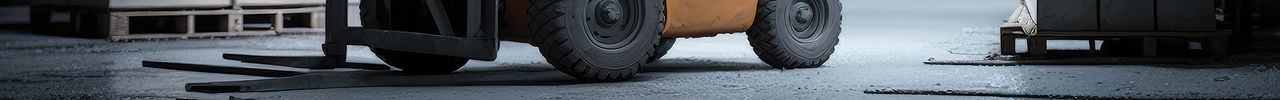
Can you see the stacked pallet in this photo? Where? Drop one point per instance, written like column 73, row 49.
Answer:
column 1042, row 20
column 125, row 20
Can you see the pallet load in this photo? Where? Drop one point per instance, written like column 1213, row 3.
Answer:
column 125, row 20
column 1144, row 21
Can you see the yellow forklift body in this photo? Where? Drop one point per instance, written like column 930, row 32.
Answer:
column 701, row 18
column 685, row 18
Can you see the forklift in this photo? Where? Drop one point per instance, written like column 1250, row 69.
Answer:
column 592, row 40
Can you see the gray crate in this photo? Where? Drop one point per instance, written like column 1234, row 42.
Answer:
column 1127, row 15
column 1065, row 15
column 1185, row 15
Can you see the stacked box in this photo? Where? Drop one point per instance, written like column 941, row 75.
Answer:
column 1127, row 15
column 1185, row 15
column 1123, row 15
column 1065, row 15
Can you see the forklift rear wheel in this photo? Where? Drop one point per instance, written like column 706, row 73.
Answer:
column 597, row 40
column 373, row 15
column 795, row 33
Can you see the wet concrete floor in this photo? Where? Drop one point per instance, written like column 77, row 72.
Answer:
column 882, row 46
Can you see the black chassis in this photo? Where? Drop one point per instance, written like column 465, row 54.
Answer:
column 480, row 41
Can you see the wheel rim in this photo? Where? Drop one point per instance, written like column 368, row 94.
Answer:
column 610, row 24
column 806, row 19
column 803, row 15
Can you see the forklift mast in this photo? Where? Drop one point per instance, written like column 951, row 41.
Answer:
column 480, row 41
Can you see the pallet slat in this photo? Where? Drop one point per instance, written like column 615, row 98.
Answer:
column 1073, row 61
column 233, row 23
column 186, row 36
column 1136, row 34
column 219, row 12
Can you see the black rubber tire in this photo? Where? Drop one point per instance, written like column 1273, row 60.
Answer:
column 419, row 63
column 777, row 43
column 564, row 36
column 661, row 49
column 408, row 62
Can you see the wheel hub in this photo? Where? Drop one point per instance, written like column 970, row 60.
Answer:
column 609, row 13
column 611, row 18
column 803, row 19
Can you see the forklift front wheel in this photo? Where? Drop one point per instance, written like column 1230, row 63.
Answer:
column 597, row 40
column 661, row 49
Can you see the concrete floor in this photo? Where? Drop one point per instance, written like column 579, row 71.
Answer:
column 882, row 46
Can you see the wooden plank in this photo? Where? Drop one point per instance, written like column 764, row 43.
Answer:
column 317, row 20
column 235, row 4
column 1036, row 46
column 119, row 25
column 196, row 35
column 1149, row 46
column 234, row 25
column 1218, row 46
column 1015, row 21
column 1073, row 61
column 1008, row 44
column 191, row 24
column 1135, row 34
column 219, row 12
column 76, row 22
column 1018, row 33
column 277, row 22
column 1009, row 28
column 235, row 22
column 289, row 10
column 156, row 4
column 1077, row 38
column 973, row 62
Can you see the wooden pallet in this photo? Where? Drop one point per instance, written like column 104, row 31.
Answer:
column 1075, row 61
column 145, row 25
column 1020, row 25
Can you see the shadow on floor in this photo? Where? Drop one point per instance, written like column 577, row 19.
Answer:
column 519, row 74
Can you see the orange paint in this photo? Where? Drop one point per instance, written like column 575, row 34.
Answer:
column 685, row 18
column 702, row 18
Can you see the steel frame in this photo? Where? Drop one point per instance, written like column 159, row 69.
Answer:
column 480, row 41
